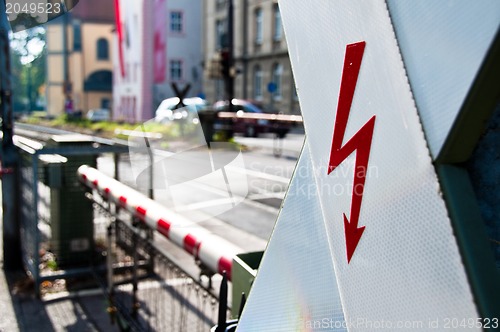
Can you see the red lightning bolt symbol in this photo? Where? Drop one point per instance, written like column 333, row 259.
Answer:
column 360, row 142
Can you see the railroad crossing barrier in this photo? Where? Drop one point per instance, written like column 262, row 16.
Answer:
column 214, row 252
column 221, row 121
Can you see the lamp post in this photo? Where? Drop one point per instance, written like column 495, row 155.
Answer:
column 229, row 71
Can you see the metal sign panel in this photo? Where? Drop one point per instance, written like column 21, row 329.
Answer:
column 296, row 288
column 443, row 44
column 389, row 236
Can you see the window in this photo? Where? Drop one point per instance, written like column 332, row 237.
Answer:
column 220, row 34
column 220, row 4
column 175, row 70
column 276, row 79
column 257, row 83
column 106, row 103
column 77, row 36
column 176, row 21
column 102, row 49
column 277, row 34
column 258, row 26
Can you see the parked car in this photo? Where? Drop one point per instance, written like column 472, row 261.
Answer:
column 99, row 114
column 250, row 120
column 168, row 109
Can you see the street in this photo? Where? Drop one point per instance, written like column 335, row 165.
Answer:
column 238, row 199
column 241, row 204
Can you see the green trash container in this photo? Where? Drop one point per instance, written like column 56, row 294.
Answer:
column 71, row 213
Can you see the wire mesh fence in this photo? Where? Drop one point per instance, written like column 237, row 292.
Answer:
column 28, row 180
column 168, row 299
column 150, row 292
column 153, row 293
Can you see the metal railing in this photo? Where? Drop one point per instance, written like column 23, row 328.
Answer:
column 151, row 292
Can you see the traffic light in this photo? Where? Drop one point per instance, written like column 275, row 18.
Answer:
column 221, row 66
column 225, row 62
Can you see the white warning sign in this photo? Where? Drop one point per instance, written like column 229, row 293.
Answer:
column 396, row 261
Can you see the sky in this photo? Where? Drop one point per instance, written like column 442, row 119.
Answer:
column 31, row 49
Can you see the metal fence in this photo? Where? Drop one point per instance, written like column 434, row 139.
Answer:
column 153, row 293
column 30, row 237
column 147, row 290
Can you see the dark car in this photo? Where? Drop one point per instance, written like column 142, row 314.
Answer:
column 247, row 119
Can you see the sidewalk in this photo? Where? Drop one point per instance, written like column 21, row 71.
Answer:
column 8, row 321
column 21, row 310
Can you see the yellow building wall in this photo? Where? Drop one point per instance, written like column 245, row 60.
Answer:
column 54, row 38
column 56, row 71
column 55, row 74
column 88, row 63
column 80, row 65
column 55, row 99
column 94, row 99
column 91, row 32
column 77, row 78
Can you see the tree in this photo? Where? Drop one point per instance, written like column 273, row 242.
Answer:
column 28, row 65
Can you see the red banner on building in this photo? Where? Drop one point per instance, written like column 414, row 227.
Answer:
column 119, row 32
column 160, row 41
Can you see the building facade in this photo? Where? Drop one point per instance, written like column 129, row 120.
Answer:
column 79, row 58
column 183, row 25
column 263, row 70
column 157, row 47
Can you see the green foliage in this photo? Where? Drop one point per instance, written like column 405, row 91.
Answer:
column 52, row 264
column 110, row 129
column 28, row 67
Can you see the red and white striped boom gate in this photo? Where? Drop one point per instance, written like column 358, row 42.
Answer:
column 213, row 251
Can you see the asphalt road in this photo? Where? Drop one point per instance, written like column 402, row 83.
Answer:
column 234, row 194
column 223, row 189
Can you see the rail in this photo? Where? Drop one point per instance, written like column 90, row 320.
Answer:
column 261, row 116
